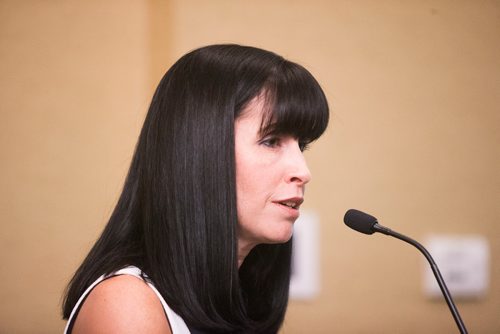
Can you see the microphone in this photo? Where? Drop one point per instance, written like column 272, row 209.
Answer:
column 367, row 224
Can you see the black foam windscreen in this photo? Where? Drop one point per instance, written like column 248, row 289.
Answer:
column 360, row 221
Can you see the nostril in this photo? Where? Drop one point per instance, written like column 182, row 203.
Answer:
column 301, row 179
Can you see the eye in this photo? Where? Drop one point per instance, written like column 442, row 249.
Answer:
column 270, row 141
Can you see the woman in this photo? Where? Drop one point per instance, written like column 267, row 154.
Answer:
column 207, row 210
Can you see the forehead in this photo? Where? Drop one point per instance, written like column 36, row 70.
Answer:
column 281, row 112
column 254, row 108
column 250, row 119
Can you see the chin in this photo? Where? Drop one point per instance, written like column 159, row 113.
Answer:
column 281, row 236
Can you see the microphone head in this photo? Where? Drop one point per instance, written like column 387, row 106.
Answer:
column 360, row 221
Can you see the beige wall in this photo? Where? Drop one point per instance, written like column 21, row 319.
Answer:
column 73, row 91
column 414, row 139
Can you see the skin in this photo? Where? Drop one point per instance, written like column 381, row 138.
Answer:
column 122, row 304
column 268, row 170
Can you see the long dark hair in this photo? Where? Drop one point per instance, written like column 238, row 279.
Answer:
column 176, row 218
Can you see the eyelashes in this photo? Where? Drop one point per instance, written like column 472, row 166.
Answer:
column 271, row 142
column 276, row 141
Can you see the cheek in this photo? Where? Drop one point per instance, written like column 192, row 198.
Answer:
column 247, row 170
column 246, row 182
column 254, row 179
column 250, row 190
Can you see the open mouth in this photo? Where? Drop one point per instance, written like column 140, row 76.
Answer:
column 293, row 204
column 289, row 204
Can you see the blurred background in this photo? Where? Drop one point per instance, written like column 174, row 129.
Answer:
column 414, row 89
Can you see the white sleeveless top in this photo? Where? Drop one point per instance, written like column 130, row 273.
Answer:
column 177, row 325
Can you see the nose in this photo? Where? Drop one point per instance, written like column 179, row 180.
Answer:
column 297, row 171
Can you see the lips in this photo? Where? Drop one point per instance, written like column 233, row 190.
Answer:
column 292, row 203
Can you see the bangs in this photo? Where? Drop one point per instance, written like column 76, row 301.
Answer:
column 294, row 105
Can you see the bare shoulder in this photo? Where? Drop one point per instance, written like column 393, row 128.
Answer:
column 122, row 304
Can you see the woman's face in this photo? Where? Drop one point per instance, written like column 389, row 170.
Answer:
column 271, row 174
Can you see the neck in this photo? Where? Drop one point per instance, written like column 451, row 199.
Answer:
column 244, row 248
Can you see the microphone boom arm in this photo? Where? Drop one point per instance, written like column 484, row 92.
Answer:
column 442, row 285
